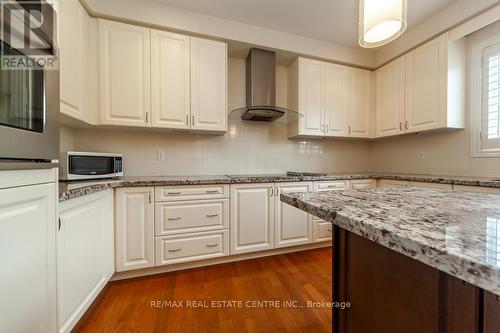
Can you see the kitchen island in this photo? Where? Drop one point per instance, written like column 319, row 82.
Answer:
column 412, row 259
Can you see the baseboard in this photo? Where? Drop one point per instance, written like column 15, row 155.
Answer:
column 215, row 261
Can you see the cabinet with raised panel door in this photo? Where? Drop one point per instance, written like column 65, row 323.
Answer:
column 422, row 90
column 152, row 78
column 322, row 230
column 334, row 100
column 134, row 228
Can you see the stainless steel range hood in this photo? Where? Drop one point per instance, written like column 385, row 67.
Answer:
column 261, row 90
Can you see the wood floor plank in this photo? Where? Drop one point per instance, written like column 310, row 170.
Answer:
column 126, row 306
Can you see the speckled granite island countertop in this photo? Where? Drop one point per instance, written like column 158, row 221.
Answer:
column 455, row 232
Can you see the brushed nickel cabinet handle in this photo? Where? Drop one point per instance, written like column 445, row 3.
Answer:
column 174, row 193
column 187, row 120
column 174, row 250
column 272, row 191
column 323, row 129
column 212, row 215
column 277, row 191
column 212, row 191
column 406, row 125
column 174, row 218
column 193, row 121
column 401, row 126
column 332, row 186
column 329, row 230
column 147, row 117
column 326, row 128
column 212, row 245
column 349, row 130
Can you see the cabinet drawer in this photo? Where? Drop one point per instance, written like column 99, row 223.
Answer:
column 195, row 192
column 191, row 247
column 363, row 184
column 392, row 183
column 330, row 186
column 191, row 216
column 322, row 231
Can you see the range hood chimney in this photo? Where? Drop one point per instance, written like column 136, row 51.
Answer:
column 261, row 90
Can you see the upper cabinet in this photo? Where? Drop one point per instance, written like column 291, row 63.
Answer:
column 208, row 85
column 153, row 78
column 423, row 90
column 125, row 74
column 334, row 100
column 77, row 62
column 170, row 82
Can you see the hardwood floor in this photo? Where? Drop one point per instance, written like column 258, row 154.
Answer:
column 126, row 306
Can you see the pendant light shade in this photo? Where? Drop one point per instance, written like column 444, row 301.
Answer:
column 381, row 21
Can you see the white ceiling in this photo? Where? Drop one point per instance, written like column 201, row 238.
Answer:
column 328, row 20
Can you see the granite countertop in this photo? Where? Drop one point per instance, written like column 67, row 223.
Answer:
column 74, row 189
column 453, row 231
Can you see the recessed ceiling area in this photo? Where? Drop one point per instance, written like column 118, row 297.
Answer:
column 327, row 20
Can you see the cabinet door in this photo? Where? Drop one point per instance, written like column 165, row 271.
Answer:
column 292, row 226
column 73, row 43
column 425, row 99
column 27, row 253
column 208, row 85
column 134, row 225
column 336, row 107
column 170, row 87
column 252, row 218
column 390, row 98
column 85, row 254
column 125, row 74
column 359, row 96
column 311, row 96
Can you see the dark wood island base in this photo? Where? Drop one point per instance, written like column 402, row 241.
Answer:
column 390, row 292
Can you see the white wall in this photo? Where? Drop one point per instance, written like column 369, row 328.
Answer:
column 246, row 148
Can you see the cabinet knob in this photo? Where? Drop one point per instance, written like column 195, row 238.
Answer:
column 212, row 245
column 174, row 250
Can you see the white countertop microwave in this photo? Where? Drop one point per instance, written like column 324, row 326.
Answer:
column 77, row 165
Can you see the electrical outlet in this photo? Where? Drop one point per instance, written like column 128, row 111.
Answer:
column 161, row 156
column 421, row 156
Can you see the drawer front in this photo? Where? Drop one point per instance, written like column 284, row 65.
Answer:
column 363, row 184
column 322, row 231
column 432, row 185
column 191, row 216
column 392, row 183
column 199, row 246
column 195, row 192
column 330, row 186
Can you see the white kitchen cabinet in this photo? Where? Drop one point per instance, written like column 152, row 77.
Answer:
column 85, row 254
column 252, row 217
column 337, row 115
column 390, row 98
column 73, row 45
column 134, row 228
column 28, row 252
column 434, row 89
column 208, row 85
column 322, row 231
column 392, row 183
column 334, row 100
column 292, row 226
column 125, row 72
column 359, row 96
column 432, row 185
column 170, row 80
column 476, row 189
column 361, row 184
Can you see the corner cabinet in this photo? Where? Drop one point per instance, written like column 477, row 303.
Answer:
column 423, row 90
column 85, row 254
column 334, row 100
column 152, row 78
column 134, row 228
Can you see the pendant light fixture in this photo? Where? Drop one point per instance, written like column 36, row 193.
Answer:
column 381, row 21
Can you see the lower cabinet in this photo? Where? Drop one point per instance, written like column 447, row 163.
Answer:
column 252, row 217
column 191, row 247
column 260, row 221
column 362, row 184
column 134, row 228
column 322, row 230
column 292, row 226
column 85, row 254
